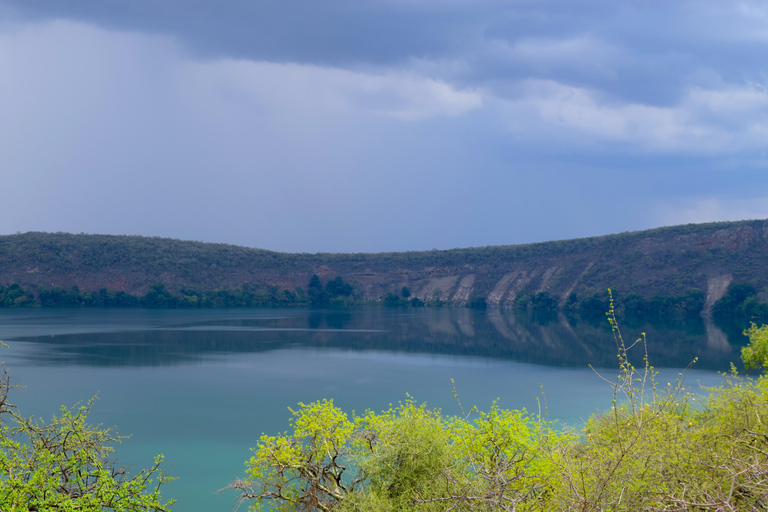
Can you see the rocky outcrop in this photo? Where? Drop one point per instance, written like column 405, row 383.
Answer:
column 716, row 287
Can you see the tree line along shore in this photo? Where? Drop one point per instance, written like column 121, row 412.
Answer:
column 668, row 275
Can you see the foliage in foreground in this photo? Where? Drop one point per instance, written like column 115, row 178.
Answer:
column 404, row 458
column 67, row 465
column 657, row 448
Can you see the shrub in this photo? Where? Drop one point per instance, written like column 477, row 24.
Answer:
column 406, row 458
column 67, row 465
column 755, row 355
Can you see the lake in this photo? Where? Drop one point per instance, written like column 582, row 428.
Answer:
column 200, row 386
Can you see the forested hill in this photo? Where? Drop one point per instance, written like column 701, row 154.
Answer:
column 665, row 262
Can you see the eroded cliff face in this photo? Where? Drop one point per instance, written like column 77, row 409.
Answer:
column 716, row 288
column 664, row 261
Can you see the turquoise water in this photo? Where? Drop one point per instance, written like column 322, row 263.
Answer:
column 201, row 386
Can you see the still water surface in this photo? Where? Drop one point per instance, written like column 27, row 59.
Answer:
column 201, row 386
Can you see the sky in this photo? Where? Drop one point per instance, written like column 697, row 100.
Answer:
column 369, row 126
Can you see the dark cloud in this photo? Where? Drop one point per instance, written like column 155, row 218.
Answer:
column 373, row 125
column 332, row 32
column 636, row 50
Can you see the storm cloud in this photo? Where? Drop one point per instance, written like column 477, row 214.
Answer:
column 377, row 126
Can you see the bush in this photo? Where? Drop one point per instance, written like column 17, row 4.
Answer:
column 67, row 465
column 406, row 458
column 755, row 355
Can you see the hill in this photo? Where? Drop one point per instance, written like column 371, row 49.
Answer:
column 695, row 260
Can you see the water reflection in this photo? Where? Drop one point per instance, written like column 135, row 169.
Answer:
column 152, row 338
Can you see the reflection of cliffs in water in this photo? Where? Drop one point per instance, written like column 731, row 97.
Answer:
column 492, row 333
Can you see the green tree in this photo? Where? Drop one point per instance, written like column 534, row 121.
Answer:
column 727, row 308
column 755, row 355
column 392, row 300
column 159, row 297
column 416, row 302
column 317, row 294
column 338, row 288
column 406, row 458
column 306, row 470
column 68, row 465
